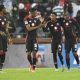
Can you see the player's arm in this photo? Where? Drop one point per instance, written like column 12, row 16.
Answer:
column 62, row 22
column 46, row 27
column 7, row 29
column 32, row 28
column 62, row 33
column 76, row 26
column 10, row 41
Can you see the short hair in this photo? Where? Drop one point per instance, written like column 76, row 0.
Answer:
column 78, row 12
column 1, row 7
column 32, row 10
column 54, row 13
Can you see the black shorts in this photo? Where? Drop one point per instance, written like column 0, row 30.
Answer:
column 31, row 45
column 56, row 46
column 70, row 45
column 3, row 43
column 2, row 58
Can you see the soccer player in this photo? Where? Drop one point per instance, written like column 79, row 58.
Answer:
column 77, row 20
column 56, row 45
column 70, row 40
column 32, row 24
column 3, row 36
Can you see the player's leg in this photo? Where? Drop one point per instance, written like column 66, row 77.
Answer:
column 29, row 58
column 34, row 54
column 3, row 49
column 55, row 61
column 28, row 51
column 2, row 60
column 74, row 50
column 4, row 43
column 60, row 56
column 67, row 50
column 34, row 59
column 54, row 51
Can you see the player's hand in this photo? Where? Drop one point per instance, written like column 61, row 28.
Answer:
column 41, row 19
column 1, row 52
column 63, row 39
column 77, row 39
column 10, row 41
column 2, row 33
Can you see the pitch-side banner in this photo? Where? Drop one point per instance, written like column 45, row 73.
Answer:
column 61, row 2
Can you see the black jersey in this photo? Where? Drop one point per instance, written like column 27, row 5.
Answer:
column 77, row 22
column 3, row 21
column 55, row 30
column 68, row 27
column 33, row 22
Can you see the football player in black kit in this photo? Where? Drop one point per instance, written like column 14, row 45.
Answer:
column 70, row 39
column 56, row 45
column 3, row 36
column 32, row 24
column 77, row 20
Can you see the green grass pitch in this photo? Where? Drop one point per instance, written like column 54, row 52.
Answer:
column 40, row 74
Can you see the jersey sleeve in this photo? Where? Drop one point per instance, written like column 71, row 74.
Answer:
column 76, row 27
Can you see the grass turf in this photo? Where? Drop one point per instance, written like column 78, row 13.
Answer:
column 40, row 74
